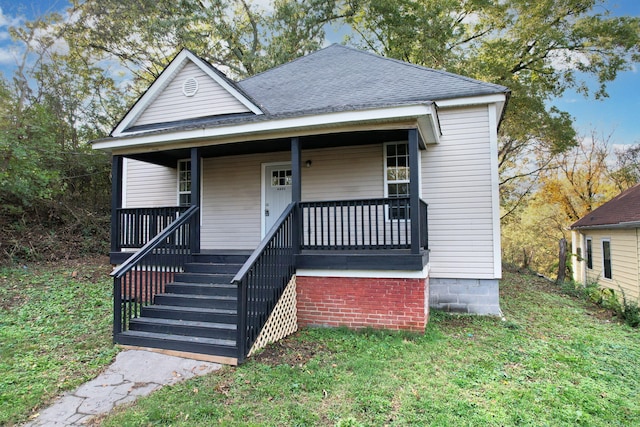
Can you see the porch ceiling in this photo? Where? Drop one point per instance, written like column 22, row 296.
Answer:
column 170, row 157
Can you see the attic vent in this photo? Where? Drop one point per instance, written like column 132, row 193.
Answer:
column 190, row 87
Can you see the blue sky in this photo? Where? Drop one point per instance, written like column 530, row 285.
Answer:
column 619, row 114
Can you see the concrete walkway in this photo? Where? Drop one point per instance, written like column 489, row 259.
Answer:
column 134, row 373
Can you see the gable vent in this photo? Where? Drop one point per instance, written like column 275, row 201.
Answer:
column 190, row 86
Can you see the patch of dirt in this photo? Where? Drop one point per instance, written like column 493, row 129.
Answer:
column 289, row 351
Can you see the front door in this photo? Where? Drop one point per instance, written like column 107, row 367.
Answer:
column 277, row 193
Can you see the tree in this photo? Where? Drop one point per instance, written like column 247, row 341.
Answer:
column 537, row 48
column 627, row 168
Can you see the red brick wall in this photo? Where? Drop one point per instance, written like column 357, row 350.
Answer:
column 363, row 302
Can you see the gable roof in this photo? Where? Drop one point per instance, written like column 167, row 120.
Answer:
column 340, row 77
column 621, row 211
column 228, row 89
column 334, row 87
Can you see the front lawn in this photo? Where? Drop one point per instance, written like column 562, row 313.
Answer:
column 55, row 333
column 554, row 360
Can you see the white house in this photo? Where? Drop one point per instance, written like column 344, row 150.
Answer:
column 342, row 188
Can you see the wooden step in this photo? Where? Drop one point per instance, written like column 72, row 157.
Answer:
column 202, row 289
column 226, row 331
column 219, row 347
column 212, row 268
column 196, row 314
column 202, row 301
column 224, row 278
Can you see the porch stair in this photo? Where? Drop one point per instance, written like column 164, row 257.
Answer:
column 197, row 313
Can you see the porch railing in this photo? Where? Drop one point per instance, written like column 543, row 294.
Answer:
column 136, row 226
column 263, row 278
column 144, row 274
column 365, row 224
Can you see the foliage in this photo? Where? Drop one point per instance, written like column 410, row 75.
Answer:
column 577, row 181
column 554, row 361
column 55, row 326
column 627, row 167
column 538, row 49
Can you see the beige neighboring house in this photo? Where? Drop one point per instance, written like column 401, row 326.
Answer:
column 607, row 244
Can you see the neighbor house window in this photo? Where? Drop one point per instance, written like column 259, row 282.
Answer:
column 606, row 259
column 397, row 177
column 589, row 254
column 184, row 182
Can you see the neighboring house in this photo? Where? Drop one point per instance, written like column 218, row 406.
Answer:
column 606, row 245
column 342, row 188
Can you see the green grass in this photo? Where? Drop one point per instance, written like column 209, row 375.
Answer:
column 55, row 333
column 553, row 361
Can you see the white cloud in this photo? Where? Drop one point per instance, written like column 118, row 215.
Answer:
column 7, row 56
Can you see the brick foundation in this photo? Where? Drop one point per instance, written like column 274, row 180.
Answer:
column 384, row 303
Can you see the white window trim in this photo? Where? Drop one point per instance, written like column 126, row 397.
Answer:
column 386, row 181
column 602, row 242
column 588, row 254
column 178, row 192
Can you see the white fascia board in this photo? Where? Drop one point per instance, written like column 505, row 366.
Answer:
column 472, row 100
column 165, row 78
column 344, row 118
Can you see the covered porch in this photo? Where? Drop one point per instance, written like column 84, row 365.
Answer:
column 157, row 247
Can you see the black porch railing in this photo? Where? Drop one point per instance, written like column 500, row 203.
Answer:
column 365, row 224
column 263, row 278
column 144, row 274
column 136, row 226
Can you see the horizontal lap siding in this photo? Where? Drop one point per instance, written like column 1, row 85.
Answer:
column 231, row 200
column 232, row 188
column 456, row 183
column 624, row 261
column 149, row 185
column 210, row 100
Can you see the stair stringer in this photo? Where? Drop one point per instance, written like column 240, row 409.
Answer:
column 282, row 321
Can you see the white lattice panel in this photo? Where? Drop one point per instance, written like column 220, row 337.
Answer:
column 283, row 320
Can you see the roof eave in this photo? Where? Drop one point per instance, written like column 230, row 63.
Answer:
column 425, row 114
column 619, row 225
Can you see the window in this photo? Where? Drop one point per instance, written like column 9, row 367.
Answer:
column 184, row 182
column 606, row 259
column 281, row 178
column 589, row 254
column 397, row 177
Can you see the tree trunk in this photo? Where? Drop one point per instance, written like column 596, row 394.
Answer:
column 562, row 261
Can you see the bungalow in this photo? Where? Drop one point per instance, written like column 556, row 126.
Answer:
column 606, row 243
column 299, row 196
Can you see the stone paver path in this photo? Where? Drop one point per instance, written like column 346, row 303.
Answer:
column 134, row 373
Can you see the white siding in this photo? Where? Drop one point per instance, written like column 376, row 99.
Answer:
column 171, row 104
column 232, row 189
column 148, row 185
column 456, row 183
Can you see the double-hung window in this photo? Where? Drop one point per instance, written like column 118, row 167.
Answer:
column 589, row 254
column 397, row 178
column 606, row 258
column 184, row 182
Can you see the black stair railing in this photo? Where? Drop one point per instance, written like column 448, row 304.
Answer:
column 263, row 278
column 143, row 275
column 136, row 226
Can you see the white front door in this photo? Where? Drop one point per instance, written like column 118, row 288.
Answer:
column 277, row 193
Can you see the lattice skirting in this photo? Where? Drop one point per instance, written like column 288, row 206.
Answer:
column 283, row 320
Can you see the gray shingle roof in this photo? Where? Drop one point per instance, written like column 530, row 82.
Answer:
column 337, row 77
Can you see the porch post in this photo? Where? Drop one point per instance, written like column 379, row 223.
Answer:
column 196, row 174
column 414, row 190
column 116, row 201
column 296, row 191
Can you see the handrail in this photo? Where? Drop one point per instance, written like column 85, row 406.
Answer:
column 134, row 227
column 263, row 278
column 263, row 245
column 151, row 244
